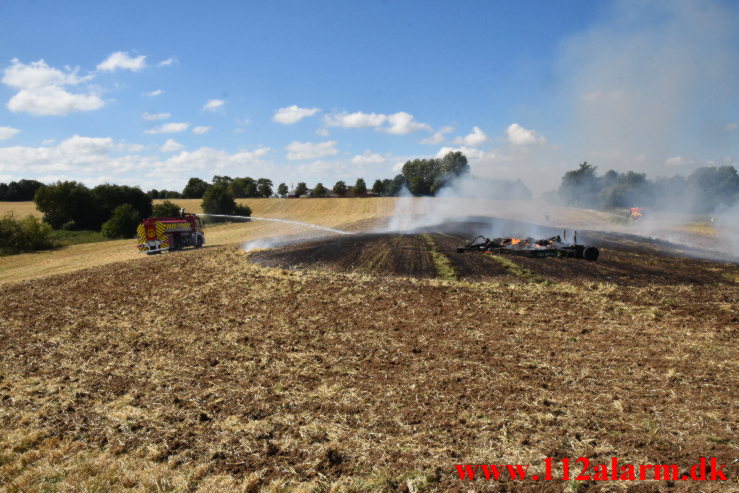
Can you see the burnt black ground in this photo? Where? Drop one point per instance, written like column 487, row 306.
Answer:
column 626, row 260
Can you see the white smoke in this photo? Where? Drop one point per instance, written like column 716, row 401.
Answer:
column 467, row 199
column 727, row 230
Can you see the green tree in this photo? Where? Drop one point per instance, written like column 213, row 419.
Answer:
column 221, row 180
column 454, row 163
column 264, row 187
column 301, row 189
column 397, row 185
column 165, row 209
column 581, row 187
column 169, row 194
column 360, row 187
column 240, row 187
column 377, row 187
column 108, row 197
column 340, row 188
column 19, row 191
column 420, row 175
column 66, row 204
column 428, row 176
column 219, row 200
column 282, row 190
column 319, row 191
column 714, row 187
column 195, row 188
column 123, row 222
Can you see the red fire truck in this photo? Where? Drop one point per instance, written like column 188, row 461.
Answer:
column 161, row 234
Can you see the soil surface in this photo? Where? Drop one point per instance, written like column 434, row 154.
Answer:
column 625, row 260
column 203, row 371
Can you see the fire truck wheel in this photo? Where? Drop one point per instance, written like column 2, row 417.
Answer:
column 153, row 253
column 198, row 241
column 590, row 253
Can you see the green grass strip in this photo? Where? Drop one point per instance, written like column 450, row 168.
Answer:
column 377, row 260
column 444, row 268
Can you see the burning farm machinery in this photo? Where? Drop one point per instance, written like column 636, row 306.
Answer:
column 530, row 247
column 161, row 234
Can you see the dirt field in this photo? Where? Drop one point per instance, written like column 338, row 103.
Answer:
column 336, row 213
column 353, row 368
column 624, row 260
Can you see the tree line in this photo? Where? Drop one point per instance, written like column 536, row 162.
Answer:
column 19, row 191
column 705, row 190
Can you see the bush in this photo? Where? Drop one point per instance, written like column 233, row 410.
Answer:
column 219, row 200
column 123, row 223
column 24, row 235
column 108, row 197
column 242, row 210
column 165, row 209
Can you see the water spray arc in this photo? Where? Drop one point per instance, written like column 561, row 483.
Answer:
column 286, row 221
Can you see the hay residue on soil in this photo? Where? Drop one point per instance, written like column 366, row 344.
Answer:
column 202, row 370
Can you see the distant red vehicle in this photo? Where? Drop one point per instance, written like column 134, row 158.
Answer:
column 161, row 234
column 636, row 213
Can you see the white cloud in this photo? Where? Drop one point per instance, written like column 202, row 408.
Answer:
column 731, row 126
column 400, row 123
column 83, row 146
column 520, row 136
column 403, row 123
column 435, row 139
column 438, row 137
column 38, row 75
column 293, row 114
column 171, row 146
column 8, row 132
column 153, row 93
column 94, row 160
column 677, row 161
column 474, row 139
column 367, row 157
column 121, row 60
column 310, row 150
column 42, row 89
column 155, row 116
column 355, row 120
column 213, row 104
column 209, row 161
column 322, row 132
column 168, row 128
column 470, row 152
column 52, row 100
column 47, row 142
column 201, row 129
column 166, row 63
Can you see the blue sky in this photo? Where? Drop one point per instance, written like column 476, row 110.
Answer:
column 151, row 93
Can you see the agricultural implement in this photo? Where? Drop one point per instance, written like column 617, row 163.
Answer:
column 530, row 247
column 161, row 234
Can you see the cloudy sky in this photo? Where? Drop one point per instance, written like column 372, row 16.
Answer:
column 152, row 93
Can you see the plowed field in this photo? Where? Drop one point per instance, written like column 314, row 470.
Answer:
column 625, row 260
column 352, row 367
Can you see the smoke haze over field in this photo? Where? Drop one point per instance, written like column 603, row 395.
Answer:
column 651, row 88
